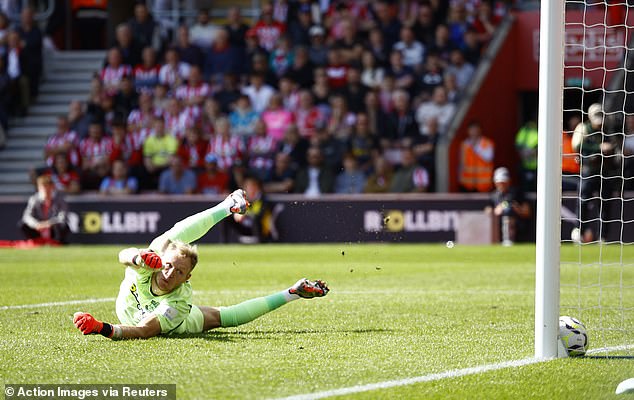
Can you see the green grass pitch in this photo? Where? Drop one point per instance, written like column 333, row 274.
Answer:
column 394, row 311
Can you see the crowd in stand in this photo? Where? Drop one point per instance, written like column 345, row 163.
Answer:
column 350, row 98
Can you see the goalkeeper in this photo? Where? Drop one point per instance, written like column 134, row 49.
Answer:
column 155, row 296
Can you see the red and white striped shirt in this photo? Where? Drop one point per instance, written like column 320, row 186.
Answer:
column 92, row 151
column 177, row 124
column 61, row 139
column 171, row 76
column 187, row 93
column 261, row 151
column 111, row 76
column 139, row 119
column 307, row 121
column 227, row 150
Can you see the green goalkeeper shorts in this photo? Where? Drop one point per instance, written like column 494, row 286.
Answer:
column 193, row 323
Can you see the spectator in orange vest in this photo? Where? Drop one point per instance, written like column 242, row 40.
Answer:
column 476, row 161
column 569, row 157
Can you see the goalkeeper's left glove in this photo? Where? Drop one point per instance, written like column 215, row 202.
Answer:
column 89, row 325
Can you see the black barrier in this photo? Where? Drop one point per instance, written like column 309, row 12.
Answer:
column 385, row 218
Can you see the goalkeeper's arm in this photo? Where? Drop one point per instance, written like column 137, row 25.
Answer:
column 139, row 258
column 88, row 325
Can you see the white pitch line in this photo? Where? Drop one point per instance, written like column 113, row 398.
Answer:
column 57, row 303
column 455, row 373
column 417, row 379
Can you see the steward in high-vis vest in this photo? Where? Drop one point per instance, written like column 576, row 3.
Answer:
column 526, row 145
column 476, row 161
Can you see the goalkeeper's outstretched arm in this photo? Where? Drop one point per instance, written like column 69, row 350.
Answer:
column 89, row 325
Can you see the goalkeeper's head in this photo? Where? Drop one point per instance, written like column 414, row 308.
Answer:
column 179, row 259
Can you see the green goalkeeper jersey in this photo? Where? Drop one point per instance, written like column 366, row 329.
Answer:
column 136, row 301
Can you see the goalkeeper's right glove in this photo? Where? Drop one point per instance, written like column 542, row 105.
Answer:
column 149, row 259
column 89, row 325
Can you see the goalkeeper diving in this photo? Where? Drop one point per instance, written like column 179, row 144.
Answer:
column 155, row 297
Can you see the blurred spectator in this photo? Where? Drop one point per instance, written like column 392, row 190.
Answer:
column 128, row 147
column 380, row 180
column 64, row 176
column 295, row 146
column 570, row 159
column 321, row 88
column 160, row 97
column 349, row 42
column 144, row 28
column 158, row 148
column 425, row 149
column 212, row 180
column 174, row 72
column 260, row 65
column 211, row 113
column 119, row 183
column 412, row 50
column 402, row 128
column 146, row 74
column 317, row 51
column 425, row 25
column 442, row 46
column 114, row 71
column 377, row 119
column 476, row 161
column 16, row 69
column 341, row 119
column 221, row 58
column 195, row 91
column 298, row 29
column 260, row 151
column 437, row 108
column 187, row 51
column 472, row 49
column 31, row 37
column 243, row 119
column 404, row 77
column 282, row 177
column 78, row 119
column 451, row 87
column 259, row 92
column 378, row 48
column 281, row 56
column 177, row 179
column 460, row 68
column 64, row 141
column 95, row 153
column 431, row 77
column 301, row 71
column 332, row 149
column 127, row 98
column 457, row 23
column 508, row 205
column 227, row 148
column 371, row 74
column 386, row 21
column 192, row 149
column 289, row 92
column 236, row 27
column 355, row 90
column 307, row 116
column 410, row 177
column 336, row 69
column 485, row 22
column 228, row 93
column 129, row 48
column 351, row 180
column 267, row 29
column 45, row 215
column 203, row 33
column 276, row 117
column 363, row 144
column 141, row 118
column 526, row 146
column 256, row 225
column 315, row 179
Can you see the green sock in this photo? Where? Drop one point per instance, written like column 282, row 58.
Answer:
column 251, row 309
column 196, row 226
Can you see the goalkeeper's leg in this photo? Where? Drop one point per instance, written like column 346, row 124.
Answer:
column 215, row 317
column 196, row 226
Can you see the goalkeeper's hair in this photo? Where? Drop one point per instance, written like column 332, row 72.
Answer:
column 186, row 250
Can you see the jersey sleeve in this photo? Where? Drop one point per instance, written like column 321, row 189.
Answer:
column 171, row 314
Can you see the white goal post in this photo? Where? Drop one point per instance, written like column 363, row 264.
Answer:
column 548, row 228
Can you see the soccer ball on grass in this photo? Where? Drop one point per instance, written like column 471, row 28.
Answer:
column 573, row 335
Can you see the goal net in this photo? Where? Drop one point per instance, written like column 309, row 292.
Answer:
column 597, row 228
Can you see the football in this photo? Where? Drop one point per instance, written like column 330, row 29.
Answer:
column 572, row 333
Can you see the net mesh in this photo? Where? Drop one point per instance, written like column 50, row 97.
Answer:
column 597, row 255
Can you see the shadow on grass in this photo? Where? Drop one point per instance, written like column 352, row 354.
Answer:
column 231, row 336
column 610, row 357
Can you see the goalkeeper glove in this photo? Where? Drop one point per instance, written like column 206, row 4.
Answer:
column 149, row 259
column 88, row 325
